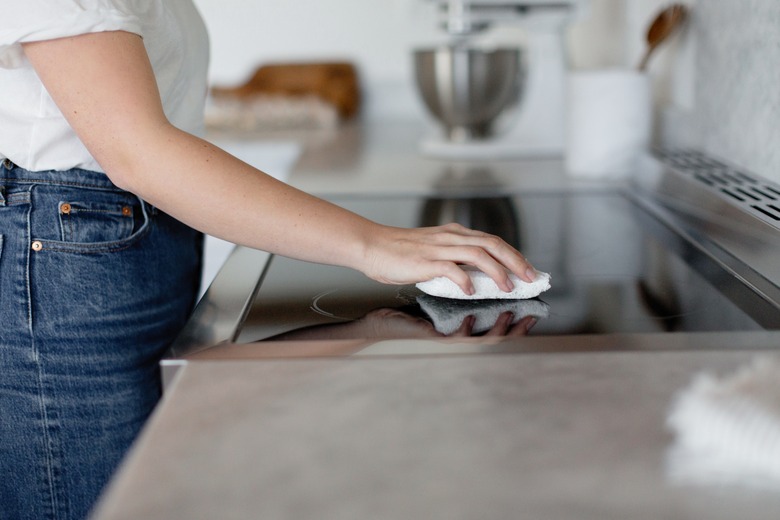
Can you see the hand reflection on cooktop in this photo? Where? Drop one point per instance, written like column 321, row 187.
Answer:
column 350, row 337
column 405, row 323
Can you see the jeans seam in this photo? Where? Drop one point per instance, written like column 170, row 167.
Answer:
column 51, row 484
column 61, row 183
column 105, row 211
column 47, row 448
column 85, row 249
column 65, row 227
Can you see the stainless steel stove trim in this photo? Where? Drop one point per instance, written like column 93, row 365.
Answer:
column 222, row 309
column 757, row 196
column 745, row 242
column 756, row 341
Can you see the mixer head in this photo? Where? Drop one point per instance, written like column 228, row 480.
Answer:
column 466, row 17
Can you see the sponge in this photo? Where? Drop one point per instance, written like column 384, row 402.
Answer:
column 485, row 287
column 447, row 315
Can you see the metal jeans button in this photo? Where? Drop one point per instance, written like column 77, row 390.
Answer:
column 8, row 164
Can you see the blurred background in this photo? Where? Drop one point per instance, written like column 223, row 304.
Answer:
column 715, row 83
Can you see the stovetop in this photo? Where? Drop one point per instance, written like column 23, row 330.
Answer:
column 616, row 268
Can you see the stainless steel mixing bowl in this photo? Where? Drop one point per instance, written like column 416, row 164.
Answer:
column 467, row 89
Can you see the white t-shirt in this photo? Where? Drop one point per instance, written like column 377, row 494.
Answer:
column 33, row 132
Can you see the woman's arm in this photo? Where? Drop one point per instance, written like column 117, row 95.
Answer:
column 104, row 85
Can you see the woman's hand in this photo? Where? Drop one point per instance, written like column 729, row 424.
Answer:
column 404, row 256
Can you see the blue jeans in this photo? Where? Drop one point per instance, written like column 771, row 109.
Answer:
column 94, row 286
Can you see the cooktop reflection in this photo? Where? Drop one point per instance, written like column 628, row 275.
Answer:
column 614, row 267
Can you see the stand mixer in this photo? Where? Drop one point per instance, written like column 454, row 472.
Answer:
column 493, row 99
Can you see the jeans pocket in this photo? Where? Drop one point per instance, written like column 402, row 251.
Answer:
column 101, row 221
column 95, row 221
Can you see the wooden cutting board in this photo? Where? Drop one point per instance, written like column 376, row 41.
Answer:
column 333, row 82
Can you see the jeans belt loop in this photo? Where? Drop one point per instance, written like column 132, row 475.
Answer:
column 8, row 165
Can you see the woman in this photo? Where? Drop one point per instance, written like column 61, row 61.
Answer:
column 103, row 184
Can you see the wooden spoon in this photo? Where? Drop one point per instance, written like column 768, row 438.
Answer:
column 667, row 21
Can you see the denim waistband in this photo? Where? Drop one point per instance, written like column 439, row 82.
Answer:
column 76, row 177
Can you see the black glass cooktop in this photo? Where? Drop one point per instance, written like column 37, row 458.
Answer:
column 615, row 269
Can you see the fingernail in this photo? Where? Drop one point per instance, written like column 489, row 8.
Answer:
column 508, row 286
column 530, row 273
column 530, row 324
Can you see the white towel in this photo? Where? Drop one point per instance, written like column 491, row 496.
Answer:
column 447, row 315
column 485, row 287
column 728, row 429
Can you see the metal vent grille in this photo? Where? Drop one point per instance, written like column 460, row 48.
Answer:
column 755, row 195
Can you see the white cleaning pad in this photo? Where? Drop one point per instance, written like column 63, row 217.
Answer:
column 447, row 315
column 728, row 429
column 485, row 287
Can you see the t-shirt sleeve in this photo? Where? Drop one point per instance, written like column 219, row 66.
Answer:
column 36, row 20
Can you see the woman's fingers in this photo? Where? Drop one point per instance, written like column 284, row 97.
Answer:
column 466, row 328
column 482, row 259
column 400, row 256
column 503, row 327
column 522, row 327
column 502, row 324
column 486, row 252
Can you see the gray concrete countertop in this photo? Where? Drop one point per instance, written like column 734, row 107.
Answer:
column 559, row 436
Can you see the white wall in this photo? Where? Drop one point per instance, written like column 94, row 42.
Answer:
column 722, row 37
